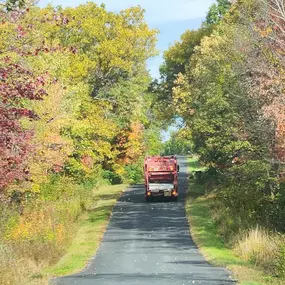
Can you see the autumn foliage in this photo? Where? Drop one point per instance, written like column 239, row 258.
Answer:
column 17, row 84
column 75, row 114
column 230, row 93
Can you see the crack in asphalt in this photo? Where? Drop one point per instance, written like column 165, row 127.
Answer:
column 149, row 243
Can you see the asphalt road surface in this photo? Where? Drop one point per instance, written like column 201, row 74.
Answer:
column 149, row 243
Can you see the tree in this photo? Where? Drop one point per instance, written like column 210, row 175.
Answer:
column 176, row 60
column 17, row 85
column 102, row 64
column 232, row 101
column 217, row 11
column 178, row 144
column 97, row 87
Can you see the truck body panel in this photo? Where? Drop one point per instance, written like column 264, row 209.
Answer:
column 161, row 177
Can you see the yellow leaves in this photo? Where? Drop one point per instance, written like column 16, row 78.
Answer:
column 35, row 225
column 104, row 150
column 181, row 94
column 6, row 31
column 94, row 121
column 120, row 169
column 130, row 144
column 113, row 40
column 79, row 66
column 265, row 32
column 210, row 46
column 35, row 188
column 50, row 148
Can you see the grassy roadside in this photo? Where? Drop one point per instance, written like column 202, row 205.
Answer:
column 91, row 229
column 204, row 232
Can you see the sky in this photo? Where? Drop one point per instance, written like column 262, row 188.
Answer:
column 170, row 17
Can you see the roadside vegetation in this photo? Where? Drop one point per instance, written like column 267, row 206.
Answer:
column 78, row 111
column 75, row 115
column 90, row 229
column 226, row 81
column 254, row 256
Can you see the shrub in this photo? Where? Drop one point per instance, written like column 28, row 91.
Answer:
column 15, row 269
column 112, row 177
column 39, row 234
column 133, row 173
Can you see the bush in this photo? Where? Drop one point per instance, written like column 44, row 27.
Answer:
column 39, row 234
column 15, row 269
column 112, row 177
column 133, row 173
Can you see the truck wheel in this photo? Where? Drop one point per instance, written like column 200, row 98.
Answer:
column 174, row 199
column 148, row 199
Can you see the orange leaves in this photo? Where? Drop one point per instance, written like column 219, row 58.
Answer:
column 264, row 33
column 135, row 142
column 87, row 161
column 130, row 143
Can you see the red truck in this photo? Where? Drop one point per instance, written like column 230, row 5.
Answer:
column 161, row 177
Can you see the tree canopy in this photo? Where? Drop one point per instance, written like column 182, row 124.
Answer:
column 76, row 86
column 229, row 94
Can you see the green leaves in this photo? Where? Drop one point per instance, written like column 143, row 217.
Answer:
column 217, row 11
column 97, row 111
column 227, row 90
column 13, row 4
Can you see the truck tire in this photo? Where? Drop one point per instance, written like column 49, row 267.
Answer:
column 148, row 199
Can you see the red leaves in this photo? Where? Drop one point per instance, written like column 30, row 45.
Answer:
column 16, row 84
column 20, row 29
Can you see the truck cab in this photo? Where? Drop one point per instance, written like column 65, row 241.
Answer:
column 161, row 177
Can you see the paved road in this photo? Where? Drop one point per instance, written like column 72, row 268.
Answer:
column 149, row 243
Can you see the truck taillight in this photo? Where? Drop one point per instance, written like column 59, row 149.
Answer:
column 148, row 193
column 171, row 168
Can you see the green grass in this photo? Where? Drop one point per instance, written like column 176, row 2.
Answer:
column 90, row 232
column 204, row 232
column 194, row 165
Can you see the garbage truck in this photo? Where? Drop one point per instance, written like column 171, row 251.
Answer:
column 161, row 177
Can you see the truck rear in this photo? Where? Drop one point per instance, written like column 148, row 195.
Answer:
column 161, row 177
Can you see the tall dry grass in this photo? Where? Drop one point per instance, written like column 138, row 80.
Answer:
column 31, row 241
column 262, row 248
column 15, row 269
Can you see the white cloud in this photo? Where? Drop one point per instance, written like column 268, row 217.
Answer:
column 157, row 11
